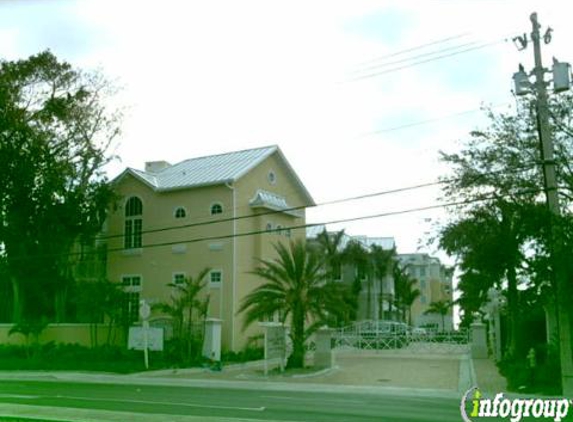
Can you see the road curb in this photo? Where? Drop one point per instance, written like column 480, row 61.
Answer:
column 63, row 414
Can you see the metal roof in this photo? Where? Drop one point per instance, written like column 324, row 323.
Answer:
column 210, row 170
column 272, row 201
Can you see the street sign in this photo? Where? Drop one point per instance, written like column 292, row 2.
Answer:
column 144, row 309
column 136, row 339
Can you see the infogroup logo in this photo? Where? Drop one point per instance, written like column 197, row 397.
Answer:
column 474, row 407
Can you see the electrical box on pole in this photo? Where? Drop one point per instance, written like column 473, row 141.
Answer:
column 521, row 83
column 561, row 76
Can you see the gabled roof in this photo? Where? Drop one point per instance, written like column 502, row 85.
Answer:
column 272, row 201
column 210, row 170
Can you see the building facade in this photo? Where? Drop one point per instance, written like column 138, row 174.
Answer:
column 222, row 212
column 376, row 293
column 434, row 280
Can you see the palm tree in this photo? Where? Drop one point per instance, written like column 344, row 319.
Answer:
column 406, row 294
column 381, row 263
column 356, row 254
column 296, row 288
column 185, row 308
column 330, row 247
column 440, row 307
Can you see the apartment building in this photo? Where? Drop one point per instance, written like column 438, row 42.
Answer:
column 222, row 212
column 434, row 280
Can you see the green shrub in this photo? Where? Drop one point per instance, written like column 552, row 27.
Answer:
column 543, row 378
column 246, row 355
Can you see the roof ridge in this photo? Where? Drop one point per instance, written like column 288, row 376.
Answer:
column 224, row 153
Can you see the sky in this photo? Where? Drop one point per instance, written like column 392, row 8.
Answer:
column 338, row 85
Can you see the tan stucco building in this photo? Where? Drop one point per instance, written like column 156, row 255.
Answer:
column 434, row 280
column 221, row 211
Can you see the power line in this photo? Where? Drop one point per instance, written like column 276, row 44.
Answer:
column 427, row 121
column 372, row 75
column 418, row 47
column 418, row 56
column 300, row 207
column 290, row 209
column 338, row 221
column 301, row 226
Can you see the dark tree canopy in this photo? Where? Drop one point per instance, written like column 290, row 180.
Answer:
column 55, row 131
column 500, row 235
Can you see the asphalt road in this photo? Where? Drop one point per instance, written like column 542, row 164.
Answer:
column 234, row 403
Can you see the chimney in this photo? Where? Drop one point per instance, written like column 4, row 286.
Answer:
column 156, row 166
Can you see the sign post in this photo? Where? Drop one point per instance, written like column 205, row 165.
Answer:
column 275, row 344
column 144, row 313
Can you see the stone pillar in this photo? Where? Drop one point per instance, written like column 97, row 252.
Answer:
column 479, row 341
column 323, row 353
column 212, row 340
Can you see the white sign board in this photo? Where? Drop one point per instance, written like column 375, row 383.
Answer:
column 154, row 339
column 275, row 343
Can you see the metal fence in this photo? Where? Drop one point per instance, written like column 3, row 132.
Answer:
column 384, row 335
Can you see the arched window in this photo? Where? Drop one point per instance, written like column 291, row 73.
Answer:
column 180, row 213
column 133, row 207
column 133, row 223
column 216, row 209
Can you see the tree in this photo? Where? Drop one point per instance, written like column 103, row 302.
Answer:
column 296, row 288
column 330, row 247
column 382, row 261
column 187, row 307
column 501, row 220
column 491, row 241
column 440, row 307
column 96, row 301
column 331, row 251
column 356, row 255
column 406, row 294
column 54, row 134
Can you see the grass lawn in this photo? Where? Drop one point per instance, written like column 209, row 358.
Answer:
column 7, row 419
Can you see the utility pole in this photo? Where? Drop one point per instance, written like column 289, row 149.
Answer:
column 563, row 291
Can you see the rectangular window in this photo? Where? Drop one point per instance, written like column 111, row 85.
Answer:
column 131, row 281
column 423, row 284
column 423, row 299
column 179, row 278
column 130, row 300
column 422, row 272
column 130, row 307
column 127, row 241
column 215, row 278
column 132, row 234
column 137, row 225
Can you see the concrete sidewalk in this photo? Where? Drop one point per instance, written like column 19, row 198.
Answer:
column 371, row 372
column 367, row 369
column 488, row 378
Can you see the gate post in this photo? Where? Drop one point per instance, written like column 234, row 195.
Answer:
column 479, row 341
column 323, row 352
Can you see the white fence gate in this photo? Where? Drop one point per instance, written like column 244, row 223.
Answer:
column 387, row 335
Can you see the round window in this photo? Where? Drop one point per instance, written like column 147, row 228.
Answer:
column 272, row 177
